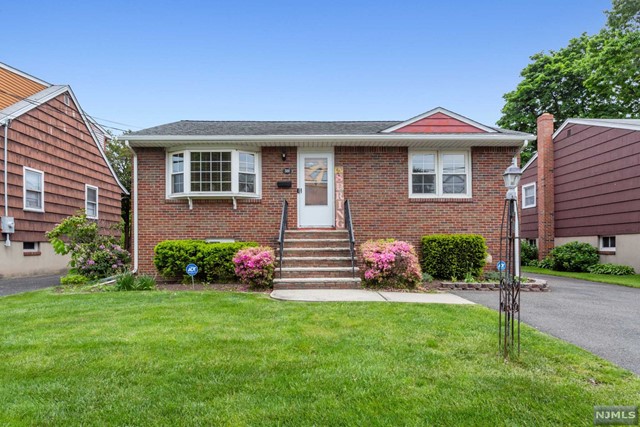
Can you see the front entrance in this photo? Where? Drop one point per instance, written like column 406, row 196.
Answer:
column 315, row 188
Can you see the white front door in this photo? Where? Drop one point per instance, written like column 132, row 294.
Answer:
column 315, row 188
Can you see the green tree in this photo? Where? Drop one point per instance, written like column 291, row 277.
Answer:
column 119, row 156
column 624, row 15
column 592, row 77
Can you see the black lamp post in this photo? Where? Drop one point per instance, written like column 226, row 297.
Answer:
column 510, row 266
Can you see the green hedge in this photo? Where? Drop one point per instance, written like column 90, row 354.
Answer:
column 573, row 256
column 447, row 256
column 214, row 260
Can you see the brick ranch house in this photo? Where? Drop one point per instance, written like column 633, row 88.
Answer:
column 584, row 185
column 438, row 172
column 53, row 164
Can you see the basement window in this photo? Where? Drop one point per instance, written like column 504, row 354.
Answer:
column 213, row 173
column 608, row 243
column 30, row 248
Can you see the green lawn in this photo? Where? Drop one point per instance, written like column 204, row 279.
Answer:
column 632, row 280
column 221, row 358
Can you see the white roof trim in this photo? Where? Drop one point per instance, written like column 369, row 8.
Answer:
column 443, row 111
column 21, row 107
column 474, row 137
column 535, row 156
column 28, row 104
column 23, row 74
column 596, row 122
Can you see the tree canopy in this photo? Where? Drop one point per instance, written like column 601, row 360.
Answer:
column 594, row 76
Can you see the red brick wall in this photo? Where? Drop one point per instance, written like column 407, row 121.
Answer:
column 54, row 139
column 253, row 220
column 376, row 182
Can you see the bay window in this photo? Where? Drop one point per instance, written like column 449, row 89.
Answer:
column 213, row 173
column 439, row 174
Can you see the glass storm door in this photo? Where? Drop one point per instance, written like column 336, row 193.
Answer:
column 315, row 189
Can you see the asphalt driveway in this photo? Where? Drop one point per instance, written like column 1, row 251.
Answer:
column 603, row 319
column 24, row 284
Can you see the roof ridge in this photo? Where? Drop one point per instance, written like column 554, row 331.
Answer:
column 286, row 121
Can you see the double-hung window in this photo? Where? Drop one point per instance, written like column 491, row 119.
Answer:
column 33, row 190
column 529, row 196
column 91, row 201
column 439, row 174
column 215, row 173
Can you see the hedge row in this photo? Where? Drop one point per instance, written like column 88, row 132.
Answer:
column 447, row 256
column 214, row 260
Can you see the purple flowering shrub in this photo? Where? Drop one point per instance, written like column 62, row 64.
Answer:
column 93, row 255
column 391, row 263
column 255, row 266
column 99, row 259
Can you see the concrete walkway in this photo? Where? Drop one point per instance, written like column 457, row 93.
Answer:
column 598, row 317
column 335, row 295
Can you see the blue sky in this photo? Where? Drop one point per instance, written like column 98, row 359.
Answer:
column 144, row 63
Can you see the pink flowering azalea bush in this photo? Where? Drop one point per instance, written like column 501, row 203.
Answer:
column 391, row 263
column 255, row 266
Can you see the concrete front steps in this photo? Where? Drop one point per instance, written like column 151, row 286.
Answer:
column 316, row 259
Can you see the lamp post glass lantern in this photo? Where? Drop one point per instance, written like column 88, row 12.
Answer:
column 509, row 328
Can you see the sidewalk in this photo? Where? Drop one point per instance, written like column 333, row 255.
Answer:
column 335, row 295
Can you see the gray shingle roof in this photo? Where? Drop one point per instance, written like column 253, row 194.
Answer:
column 202, row 127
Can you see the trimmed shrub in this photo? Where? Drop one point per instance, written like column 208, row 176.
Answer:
column 613, row 269
column 255, row 266
column 453, row 255
column 573, row 256
column 390, row 263
column 528, row 254
column 214, row 260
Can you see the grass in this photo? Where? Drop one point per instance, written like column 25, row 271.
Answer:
column 222, row 358
column 632, row 280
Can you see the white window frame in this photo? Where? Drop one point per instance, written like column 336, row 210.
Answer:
column 524, row 196
column 24, row 189
column 439, row 175
column 608, row 248
column 235, row 173
column 86, row 201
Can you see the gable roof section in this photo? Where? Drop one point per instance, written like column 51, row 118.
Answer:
column 630, row 124
column 439, row 120
column 16, row 85
column 531, row 160
column 24, row 106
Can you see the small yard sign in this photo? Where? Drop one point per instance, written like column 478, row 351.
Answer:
column 192, row 270
column 501, row 265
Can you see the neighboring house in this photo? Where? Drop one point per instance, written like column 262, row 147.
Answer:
column 53, row 165
column 438, row 172
column 584, row 185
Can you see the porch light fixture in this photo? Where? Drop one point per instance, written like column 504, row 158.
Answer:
column 511, row 178
column 283, row 154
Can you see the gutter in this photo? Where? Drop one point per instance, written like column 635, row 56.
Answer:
column 134, row 202
column 338, row 138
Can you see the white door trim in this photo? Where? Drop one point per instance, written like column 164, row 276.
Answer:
column 329, row 152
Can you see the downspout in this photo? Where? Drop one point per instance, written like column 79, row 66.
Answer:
column 7, row 242
column 134, row 201
column 517, row 224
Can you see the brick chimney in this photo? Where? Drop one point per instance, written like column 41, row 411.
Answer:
column 546, row 187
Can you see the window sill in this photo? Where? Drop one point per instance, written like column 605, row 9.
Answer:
column 529, row 207
column 33, row 210
column 607, row 252
column 441, row 200
column 196, row 196
column 32, row 253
